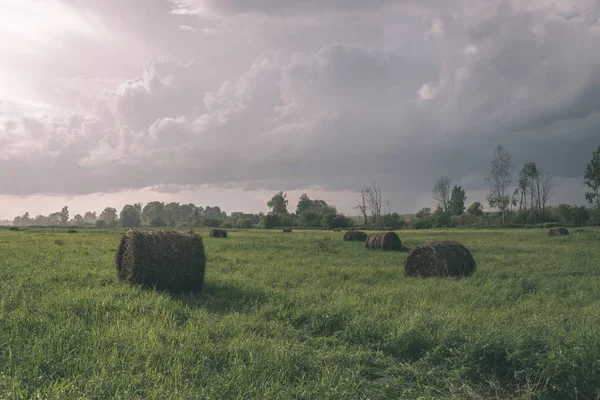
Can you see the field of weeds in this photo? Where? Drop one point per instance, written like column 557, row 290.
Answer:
column 303, row 316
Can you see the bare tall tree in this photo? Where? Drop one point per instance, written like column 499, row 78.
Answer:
column 441, row 193
column 361, row 205
column 499, row 181
column 388, row 207
column 370, row 202
column 374, row 201
column 542, row 191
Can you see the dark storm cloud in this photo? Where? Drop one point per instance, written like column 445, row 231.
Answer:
column 339, row 115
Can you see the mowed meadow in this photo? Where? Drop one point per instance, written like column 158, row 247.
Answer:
column 303, row 315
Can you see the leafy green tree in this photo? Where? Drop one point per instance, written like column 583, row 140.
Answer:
column 475, row 209
column 278, row 203
column 158, row 222
column 64, row 216
column 592, row 179
column 313, row 212
column 152, row 211
column 594, row 217
column 172, row 213
column 394, row 221
column 572, row 215
column 109, row 215
column 457, row 201
column 442, row 218
column 423, row 212
column 212, row 222
column 196, row 219
column 54, row 219
column 214, row 212
column 186, row 211
column 527, row 176
column 90, row 217
column 130, row 217
column 236, row 216
column 243, row 223
column 270, row 221
column 101, row 224
column 304, row 204
column 580, row 216
column 78, row 220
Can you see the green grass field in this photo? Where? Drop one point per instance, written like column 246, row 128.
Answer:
column 303, row 316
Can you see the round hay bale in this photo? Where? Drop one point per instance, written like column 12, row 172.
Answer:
column 217, row 233
column 383, row 241
column 443, row 258
column 558, row 231
column 167, row 260
column 355, row 236
column 287, row 230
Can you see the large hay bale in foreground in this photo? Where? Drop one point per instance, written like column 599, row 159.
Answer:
column 558, row 231
column 217, row 233
column 172, row 261
column 355, row 236
column 383, row 241
column 287, row 230
column 443, row 258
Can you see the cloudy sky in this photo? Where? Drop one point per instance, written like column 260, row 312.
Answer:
column 225, row 102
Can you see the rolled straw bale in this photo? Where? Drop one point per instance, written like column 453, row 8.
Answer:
column 442, row 258
column 355, row 236
column 558, row 231
column 383, row 241
column 167, row 260
column 217, row 233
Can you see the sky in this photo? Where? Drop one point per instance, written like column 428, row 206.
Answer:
column 226, row 102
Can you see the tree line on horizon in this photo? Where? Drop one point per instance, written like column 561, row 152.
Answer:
column 525, row 204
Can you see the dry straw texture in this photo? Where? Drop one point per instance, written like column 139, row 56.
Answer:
column 355, row 236
column 559, row 231
column 217, row 233
column 167, row 260
column 443, row 258
column 383, row 241
column 287, row 230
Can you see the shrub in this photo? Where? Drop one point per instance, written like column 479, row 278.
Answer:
column 331, row 221
column 423, row 223
column 212, row 222
column 594, row 217
column 158, row 222
column 547, row 225
column 243, row 224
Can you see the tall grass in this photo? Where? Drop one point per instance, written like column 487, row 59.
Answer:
column 303, row 316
